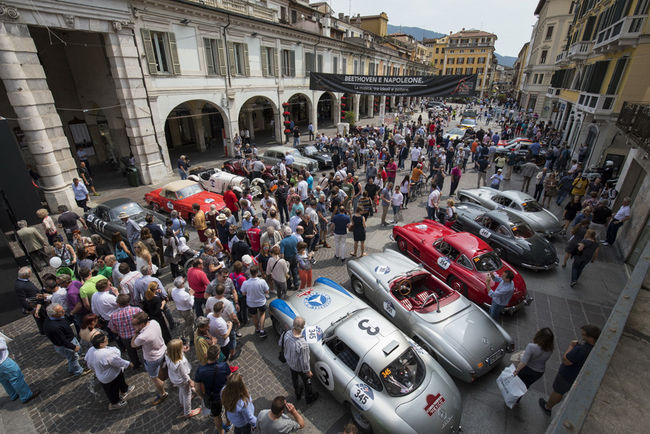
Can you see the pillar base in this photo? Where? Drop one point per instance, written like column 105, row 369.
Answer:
column 154, row 172
column 60, row 196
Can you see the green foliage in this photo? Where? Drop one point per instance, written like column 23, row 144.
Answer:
column 349, row 118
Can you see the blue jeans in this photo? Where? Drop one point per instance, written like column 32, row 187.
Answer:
column 561, row 196
column 612, row 231
column 183, row 174
column 13, row 381
column 431, row 213
column 72, row 356
column 495, row 310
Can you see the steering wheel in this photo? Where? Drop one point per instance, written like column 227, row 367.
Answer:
column 405, row 288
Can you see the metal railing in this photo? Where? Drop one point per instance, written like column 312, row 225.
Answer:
column 575, row 408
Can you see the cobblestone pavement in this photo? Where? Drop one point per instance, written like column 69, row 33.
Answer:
column 66, row 404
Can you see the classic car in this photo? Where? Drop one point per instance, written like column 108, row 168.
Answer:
column 310, row 151
column 275, row 154
column 458, row 258
column 469, row 114
column 508, row 235
column 180, row 196
column 455, row 133
column 218, row 181
column 235, row 166
column 516, row 203
column 461, row 336
column 466, row 123
column 513, row 143
column 104, row 220
column 389, row 383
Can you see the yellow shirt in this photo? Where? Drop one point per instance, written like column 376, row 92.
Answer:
column 199, row 221
column 415, row 175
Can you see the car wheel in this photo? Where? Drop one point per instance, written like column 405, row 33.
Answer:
column 360, row 419
column 155, row 207
column 277, row 326
column 401, row 245
column 457, row 285
column 357, row 287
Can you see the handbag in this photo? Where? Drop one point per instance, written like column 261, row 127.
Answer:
column 281, row 354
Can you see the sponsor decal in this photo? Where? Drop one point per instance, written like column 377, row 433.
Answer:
column 317, row 301
column 444, row 262
column 389, row 308
column 434, row 402
column 324, row 374
column 362, row 396
column 421, row 227
column 170, row 205
column 382, row 269
column 484, row 233
column 209, row 200
column 313, row 334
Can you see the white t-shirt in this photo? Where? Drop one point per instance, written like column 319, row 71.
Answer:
column 415, row 153
column 397, row 199
column 151, row 341
column 218, row 329
column 303, row 190
column 623, row 212
column 255, row 290
column 434, row 198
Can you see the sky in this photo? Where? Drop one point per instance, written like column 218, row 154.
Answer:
column 510, row 20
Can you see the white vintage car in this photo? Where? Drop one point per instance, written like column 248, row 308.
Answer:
column 218, row 181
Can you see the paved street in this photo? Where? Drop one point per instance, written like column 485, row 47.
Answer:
column 66, row 405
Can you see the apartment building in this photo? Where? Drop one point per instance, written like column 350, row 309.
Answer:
column 518, row 72
column 156, row 78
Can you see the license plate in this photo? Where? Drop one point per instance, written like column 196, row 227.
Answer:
column 494, row 357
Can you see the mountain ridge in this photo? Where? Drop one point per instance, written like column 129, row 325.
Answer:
column 419, row 33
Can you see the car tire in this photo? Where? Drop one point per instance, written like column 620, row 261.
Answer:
column 360, row 419
column 358, row 287
column 455, row 284
column 402, row 246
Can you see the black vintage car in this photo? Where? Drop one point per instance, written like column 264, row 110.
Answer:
column 104, row 218
column 508, row 235
column 310, row 151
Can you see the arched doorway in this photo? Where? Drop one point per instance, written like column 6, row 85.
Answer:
column 299, row 107
column 325, row 110
column 259, row 116
column 195, row 126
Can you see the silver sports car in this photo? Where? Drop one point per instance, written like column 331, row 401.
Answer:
column 218, row 181
column 459, row 334
column 517, row 203
column 389, row 383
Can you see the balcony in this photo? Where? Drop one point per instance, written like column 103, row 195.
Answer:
column 553, row 92
column 579, row 50
column 622, row 33
column 562, row 58
column 240, row 6
column 596, row 104
column 634, row 120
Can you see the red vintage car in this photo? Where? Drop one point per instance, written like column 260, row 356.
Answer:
column 458, row 258
column 180, row 196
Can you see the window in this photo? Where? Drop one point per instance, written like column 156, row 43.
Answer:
column 460, row 61
column 404, row 374
column 161, row 53
column 368, row 376
column 344, row 63
column 362, row 70
column 471, row 51
column 309, row 63
column 288, row 63
column 459, row 70
column 294, row 16
column 450, row 61
column 589, row 28
column 269, row 62
column 470, row 60
column 479, row 70
column 435, row 61
column 437, row 49
column 488, row 262
column 616, row 76
column 371, row 68
column 468, row 70
column 215, row 56
column 542, row 58
column 355, row 67
column 335, row 65
column 238, row 58
column 465, row 262
column 319, row 62
column 549, row 33
column 481, row 60
column 446, row 249
column 344, row 353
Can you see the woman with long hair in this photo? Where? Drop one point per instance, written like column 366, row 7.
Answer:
column 405, row 188
column 358, row 225
column 88, row 329
column 122, row 252
column 153, row 304
column 179, row 369
column 238, row 404
column 143, row 257
column 533, row 362
column 150, row 244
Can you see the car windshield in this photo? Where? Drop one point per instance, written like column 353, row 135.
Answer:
column 131, row 208
column 468, row 121
column 487, row 262
column 189, row 191
column 522, row 231
column 456, row 131
column 310, row 150
column 531, row 206
column 404, row 374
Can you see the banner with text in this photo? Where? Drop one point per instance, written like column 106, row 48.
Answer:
column 420, row 85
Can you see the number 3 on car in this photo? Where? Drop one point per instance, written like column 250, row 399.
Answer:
column 324, row 374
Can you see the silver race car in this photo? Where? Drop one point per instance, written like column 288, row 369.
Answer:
column 517, row 203
column 218, row 181
column 459, row 334
column 389, row 382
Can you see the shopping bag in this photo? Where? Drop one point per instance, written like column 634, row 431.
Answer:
column 516, row 356
column 511, row 387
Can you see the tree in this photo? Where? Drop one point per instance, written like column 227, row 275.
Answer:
column 349, row 118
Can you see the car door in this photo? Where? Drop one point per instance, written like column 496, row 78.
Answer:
column 336, row 370
column 391, row 308
column 441, row 258
column 168, row 199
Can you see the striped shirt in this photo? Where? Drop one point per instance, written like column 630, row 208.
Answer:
column 296, row 351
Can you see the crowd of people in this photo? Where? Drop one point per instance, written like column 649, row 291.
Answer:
column 106, row 299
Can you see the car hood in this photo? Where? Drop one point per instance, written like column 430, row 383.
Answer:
column 302, row 159
column 475, row 336
column 385, row 266
column 542, row 221
column 205, row 199
column 537, row 250
column 436, row 405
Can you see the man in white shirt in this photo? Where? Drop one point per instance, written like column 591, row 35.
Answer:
column 184, row 305
column 109, row 369
column 267, row 203
column 283, row 168
column 229, row 314
column 104, row 301
column 415, row 156
column 256, row 289
column 624, row 213
column 127, row 284
column 303, row 188
column 433, row 203
column 295, row 220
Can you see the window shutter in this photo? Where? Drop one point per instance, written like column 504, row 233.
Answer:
column 148, row 51
column 221, row 56
column 276, row 69
column 265, row 61
column 176, row 64
column 231, row 58
column 292, row 64
column 209, row 56
column 247, row 67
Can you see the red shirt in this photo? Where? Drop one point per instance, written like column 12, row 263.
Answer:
column 384, row 175
column 198, row 281
column 231, row 200
column 254, row 238
column 391, row 169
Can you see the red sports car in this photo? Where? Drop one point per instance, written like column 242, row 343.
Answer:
column 180, row 196
column 458, row 258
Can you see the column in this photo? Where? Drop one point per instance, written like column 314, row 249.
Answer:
column 251, row 124
column 313, row 114
column 336, row 109
column 393, row 103
column 371, row 106
column 199, row 130
column 357, row 99
column 24, row 80
column 150, row 151
column 382, row 107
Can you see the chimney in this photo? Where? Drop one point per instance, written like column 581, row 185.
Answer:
column 341, row 15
